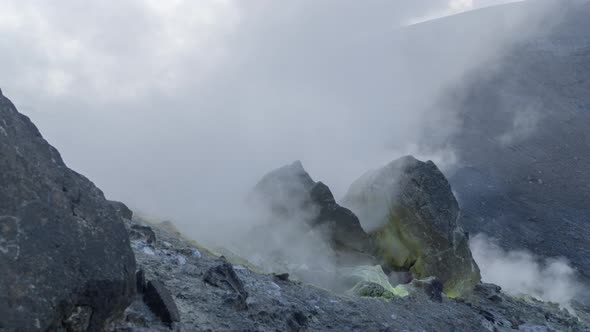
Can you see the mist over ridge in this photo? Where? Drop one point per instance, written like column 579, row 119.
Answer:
column 303, row 165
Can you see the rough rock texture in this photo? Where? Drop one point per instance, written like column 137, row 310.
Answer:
column 141, row 232
column 431, row 286
column 122, row 209
column 65, row 258
column 223, row 276
column 275, row 305
column 158, row 299
column 289, row 193
column 408, row 208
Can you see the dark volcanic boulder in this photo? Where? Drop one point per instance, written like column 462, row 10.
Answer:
column 122, row 209
column 65, row 258
column 290, row 194
column 160, row 301
column 409, row 210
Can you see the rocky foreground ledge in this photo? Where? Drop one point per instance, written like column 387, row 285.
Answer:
column 209, row 293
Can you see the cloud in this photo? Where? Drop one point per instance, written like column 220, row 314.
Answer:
column 520, row 272
column 178, row 107
column 455, row 7
column 108, row 51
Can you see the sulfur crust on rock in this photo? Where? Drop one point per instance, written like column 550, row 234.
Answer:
column 375, row 274
column 410, row 214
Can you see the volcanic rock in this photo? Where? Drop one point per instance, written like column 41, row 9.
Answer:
column 409, row 210
column 431, row 286
column 223, row 276
column 64, row 250
column 289, row 193
column 122, row 209
column 279, row 306
column 160, row 302
column 142, row 233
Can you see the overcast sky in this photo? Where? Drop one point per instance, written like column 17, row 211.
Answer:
column 178, row 107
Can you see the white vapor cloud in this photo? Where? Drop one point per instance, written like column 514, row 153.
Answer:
column 178, row 107
column 520, row 272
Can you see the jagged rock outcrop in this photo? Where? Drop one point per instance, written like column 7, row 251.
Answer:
column 290, row 194
column 409, row 210
column 65, row 258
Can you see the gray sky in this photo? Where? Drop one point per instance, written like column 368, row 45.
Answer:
column 178, row 107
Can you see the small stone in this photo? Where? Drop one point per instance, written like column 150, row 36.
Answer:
column 180, row 260
column 368, row 289
column 160, row 301
column 282, row 276
column 223, row 276
column 142, row 233
column 148, row 251
column 196, row 253
column 487, row 315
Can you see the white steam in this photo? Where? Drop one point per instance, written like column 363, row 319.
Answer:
column 520, row 272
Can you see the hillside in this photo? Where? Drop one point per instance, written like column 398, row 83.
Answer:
column 524, row 142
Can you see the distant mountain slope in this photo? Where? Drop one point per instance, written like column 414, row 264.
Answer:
column 524, row 141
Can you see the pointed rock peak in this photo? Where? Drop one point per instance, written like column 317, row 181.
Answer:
column 297, row 165
column 288, row 177
column 289, row 194
column 405, row 163
column 321, row 193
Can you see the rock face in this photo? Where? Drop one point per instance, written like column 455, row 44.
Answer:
column 527, row 186
column 122, row 209
column 65, row 258
column 408, row 208
column 289, row 193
